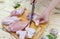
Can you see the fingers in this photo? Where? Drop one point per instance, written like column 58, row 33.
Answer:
column 44, row 20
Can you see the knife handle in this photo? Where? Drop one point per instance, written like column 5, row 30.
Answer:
column 33, row 1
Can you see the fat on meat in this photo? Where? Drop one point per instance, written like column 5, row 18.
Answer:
column 10, row 20
column 30, row 32
column 21, row 34
column 18, row 25
column 36, row 18
column 18, row 12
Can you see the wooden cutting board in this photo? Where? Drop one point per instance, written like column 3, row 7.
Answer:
column 37, row 35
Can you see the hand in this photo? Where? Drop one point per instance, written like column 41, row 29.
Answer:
column 31, row 1
column 43, row 18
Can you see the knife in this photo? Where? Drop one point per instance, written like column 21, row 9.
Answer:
column 32, row 12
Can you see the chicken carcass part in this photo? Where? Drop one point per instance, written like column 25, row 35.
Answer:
column 10, row 20
column 21, row 34
column 30, row 32
column 19, row 25
column 35, row 18
column 18, row 12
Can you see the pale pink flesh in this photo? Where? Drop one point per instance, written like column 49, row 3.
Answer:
column 21, row 34
column 9, row 20
column 35, row 18
column 19, row 25
column 30, row 32
column 18, row 12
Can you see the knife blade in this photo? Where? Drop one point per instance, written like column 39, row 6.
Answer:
column 32, row 12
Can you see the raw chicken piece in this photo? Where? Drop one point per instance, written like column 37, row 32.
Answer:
column 29, row 16
column 30, row 32
column 21, row 34
column 10, row 20
column 54, row 31
column 18, row 12
column 37, row 22
column 19, row 25
column 35, row 18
